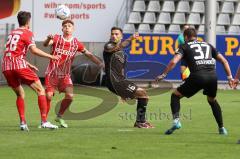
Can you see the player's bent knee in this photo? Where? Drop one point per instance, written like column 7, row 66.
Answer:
column 69, row 96
column 49, row 95
column 141, row 93
column 41, row 92
column 19, row 92
column 211, row 99
column 37, row 86
column 22, row 95
column 175, row 97
column 177, row 93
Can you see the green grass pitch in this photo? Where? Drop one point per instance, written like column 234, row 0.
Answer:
column 112, row 135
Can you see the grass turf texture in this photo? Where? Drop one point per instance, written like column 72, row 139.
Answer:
column 112, row 135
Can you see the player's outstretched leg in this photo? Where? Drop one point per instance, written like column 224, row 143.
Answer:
column 21, row 107
column 175, row 108
column 42, row 103
column 217, row 113
column 66, row 102
column 142, row 101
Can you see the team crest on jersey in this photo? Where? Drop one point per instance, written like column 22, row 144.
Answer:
column 64, row 52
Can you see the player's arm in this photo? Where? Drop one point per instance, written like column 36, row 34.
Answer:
column 111, row 48
column 38, row 52
column 32, row 66
column 48, row 41
column 237, row 76
column 93, row 58
column 126, row 42
column 225, row 64
column 227, row 69
column 170, row 66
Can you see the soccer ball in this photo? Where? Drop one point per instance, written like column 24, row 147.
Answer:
column 62, row 12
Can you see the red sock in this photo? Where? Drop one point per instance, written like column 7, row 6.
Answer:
column 42, row 103
column 48, row 106
column 64, row 105
column 20, row 107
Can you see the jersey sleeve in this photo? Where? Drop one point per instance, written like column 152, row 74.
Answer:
column 180, row 51
column 214, row 51
column 55, row 39
column 29, row 39
column 111, row 47
column 80, row 46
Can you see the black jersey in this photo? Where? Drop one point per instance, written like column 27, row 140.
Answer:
column 199, row 56
column 114, row 63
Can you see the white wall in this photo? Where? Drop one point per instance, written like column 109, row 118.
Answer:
column 93, row 18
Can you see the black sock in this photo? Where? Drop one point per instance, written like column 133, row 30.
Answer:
column 217, row 112
column 141, row 109
column 175, row 105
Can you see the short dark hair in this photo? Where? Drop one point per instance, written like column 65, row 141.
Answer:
column 67, row 21
column 117, row 28
column 23, row 17
column 190, row 33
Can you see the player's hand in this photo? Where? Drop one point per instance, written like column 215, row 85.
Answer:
column 32, row 67
column 135, row 36
column 231, row 83
column 50, row 37
column 101, row 65
column 160, row 77
column 235, row 83
column 55, row 57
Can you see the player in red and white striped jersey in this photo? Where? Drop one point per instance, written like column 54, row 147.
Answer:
column 58, row 72
column 18, row 71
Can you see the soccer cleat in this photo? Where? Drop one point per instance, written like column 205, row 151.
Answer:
column 24, row 127
column 222, row 131
column 48, row 125
column 61, row 122
column 176, row 125
column 143, row 125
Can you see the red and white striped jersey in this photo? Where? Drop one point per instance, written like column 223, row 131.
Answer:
column 67, row 49
column 17, row 45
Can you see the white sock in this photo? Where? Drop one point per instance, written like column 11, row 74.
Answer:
column 176, row 120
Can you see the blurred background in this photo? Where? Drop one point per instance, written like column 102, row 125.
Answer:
column 159, row 23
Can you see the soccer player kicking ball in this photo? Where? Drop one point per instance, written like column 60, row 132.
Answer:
column 200, row 58
column 115, row 61
column 58, row 72
column 18, row 71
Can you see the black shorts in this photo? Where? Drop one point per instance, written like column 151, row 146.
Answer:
column 196, row 82
column 125, row 89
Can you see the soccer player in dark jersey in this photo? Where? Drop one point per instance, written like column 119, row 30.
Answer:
column 200, row 58
column 115, row 61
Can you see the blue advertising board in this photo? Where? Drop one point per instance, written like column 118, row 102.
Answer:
column 150, row 53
